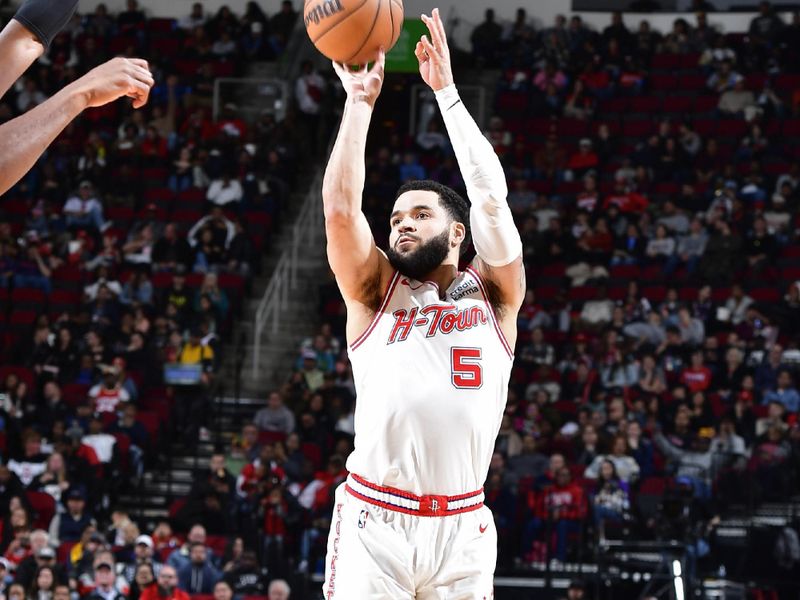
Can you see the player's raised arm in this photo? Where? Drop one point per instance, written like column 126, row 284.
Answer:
column 494, row 233
column 361, row 269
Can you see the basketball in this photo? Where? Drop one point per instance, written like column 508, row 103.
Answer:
column 352, row 31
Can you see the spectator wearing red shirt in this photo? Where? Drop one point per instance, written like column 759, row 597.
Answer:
column 585, row 159
column 697, row 377
column 561, row 508
column 627, row 201
column 154, row 148
column 165, row 588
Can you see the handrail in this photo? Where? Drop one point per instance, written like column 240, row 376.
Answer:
column 276, row 297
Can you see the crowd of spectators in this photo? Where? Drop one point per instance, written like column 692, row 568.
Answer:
column 658, row 350
column 644, row 366
column 130, row 246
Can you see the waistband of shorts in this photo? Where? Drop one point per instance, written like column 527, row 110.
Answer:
column 405, row 502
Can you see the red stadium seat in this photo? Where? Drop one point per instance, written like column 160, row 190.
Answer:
column 638, row 128
column 659, row 82
column 33, row 298
column 75, row 394
column 217, row 544
column 666, row 61
column 692, row 83
column 270, row 437
column 151, row 422
column 678, row 104
column 645, row 104
column 63, row 550
column 43, row 506
column 313, row 453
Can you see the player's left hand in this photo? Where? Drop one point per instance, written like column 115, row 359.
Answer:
column 434, row 55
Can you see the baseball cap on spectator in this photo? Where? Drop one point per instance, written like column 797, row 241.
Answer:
column 585, row 142
column 76, row 493
column 46, row 552
column 309, row 354
column 145, row 540
column 4, row 563
column 97, row 538
column 103, row 565
column 85, row 184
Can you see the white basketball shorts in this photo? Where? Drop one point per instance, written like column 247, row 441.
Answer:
column 377, row 553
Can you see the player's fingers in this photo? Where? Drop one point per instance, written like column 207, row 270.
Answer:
column 143, row 75
column 437, row 17
column 426, row 44
column 140, row 62
column 139, row 91
column 380, row 62
column 434, row 25
column 419, row 50
column 431, row 28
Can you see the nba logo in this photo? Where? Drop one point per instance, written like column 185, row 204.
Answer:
column 362, row 519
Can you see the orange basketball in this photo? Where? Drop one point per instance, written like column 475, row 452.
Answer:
column 352, row 31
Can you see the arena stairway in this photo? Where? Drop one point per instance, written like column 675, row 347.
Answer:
column 234, row 404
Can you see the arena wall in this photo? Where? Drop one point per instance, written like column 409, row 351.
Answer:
column 471, row 13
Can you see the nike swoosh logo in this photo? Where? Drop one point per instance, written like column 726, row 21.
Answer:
column 483, row 527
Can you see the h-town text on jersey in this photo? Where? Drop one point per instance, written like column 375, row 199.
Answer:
column 435, row 318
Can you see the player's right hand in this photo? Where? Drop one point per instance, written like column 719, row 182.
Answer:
column 365, row 83
column 116, row 78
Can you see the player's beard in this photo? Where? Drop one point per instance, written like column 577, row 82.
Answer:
column 422, row 261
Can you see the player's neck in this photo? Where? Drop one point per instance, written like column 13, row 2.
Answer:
column 443, row 276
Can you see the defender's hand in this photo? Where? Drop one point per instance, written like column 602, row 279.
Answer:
column 434, row 55
column 114, row 79
column 365, row 83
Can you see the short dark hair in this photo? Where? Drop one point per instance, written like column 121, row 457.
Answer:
column 449, row 199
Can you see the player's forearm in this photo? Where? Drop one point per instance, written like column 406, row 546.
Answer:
column 24, row 139
column 494, row 233
column 344, row 177
column 19, row 48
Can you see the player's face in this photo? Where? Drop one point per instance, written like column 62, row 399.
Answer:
column 417, row 217
column 422, row 234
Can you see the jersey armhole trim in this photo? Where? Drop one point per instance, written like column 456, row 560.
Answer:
column 492, row 315
column 379, row 313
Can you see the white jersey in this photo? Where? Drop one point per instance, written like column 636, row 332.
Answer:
column 431, row 380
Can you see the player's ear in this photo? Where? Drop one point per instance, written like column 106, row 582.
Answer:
column 457, row 233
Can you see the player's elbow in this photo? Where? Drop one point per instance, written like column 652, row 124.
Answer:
column 339, row 207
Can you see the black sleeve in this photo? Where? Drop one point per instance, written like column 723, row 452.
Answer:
column 46, row 18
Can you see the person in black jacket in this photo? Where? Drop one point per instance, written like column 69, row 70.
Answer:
column 246, row 579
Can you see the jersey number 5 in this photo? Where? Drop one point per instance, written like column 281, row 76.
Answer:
column 466, row 372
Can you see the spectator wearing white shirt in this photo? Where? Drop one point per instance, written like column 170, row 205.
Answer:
column 102, row 443
column 661, row 247
column 84, row 209
column 225, row 191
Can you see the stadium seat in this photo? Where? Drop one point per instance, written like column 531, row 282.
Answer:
column 313, row 453
column 75, row 394
column 43, row 506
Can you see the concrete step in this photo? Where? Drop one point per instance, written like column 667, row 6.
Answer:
column 169, row 489
column 145, row 500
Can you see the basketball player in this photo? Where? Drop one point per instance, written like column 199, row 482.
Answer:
column 431, row 349
column 22, row 41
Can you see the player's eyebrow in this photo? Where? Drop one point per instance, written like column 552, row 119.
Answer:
column 417, row 207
